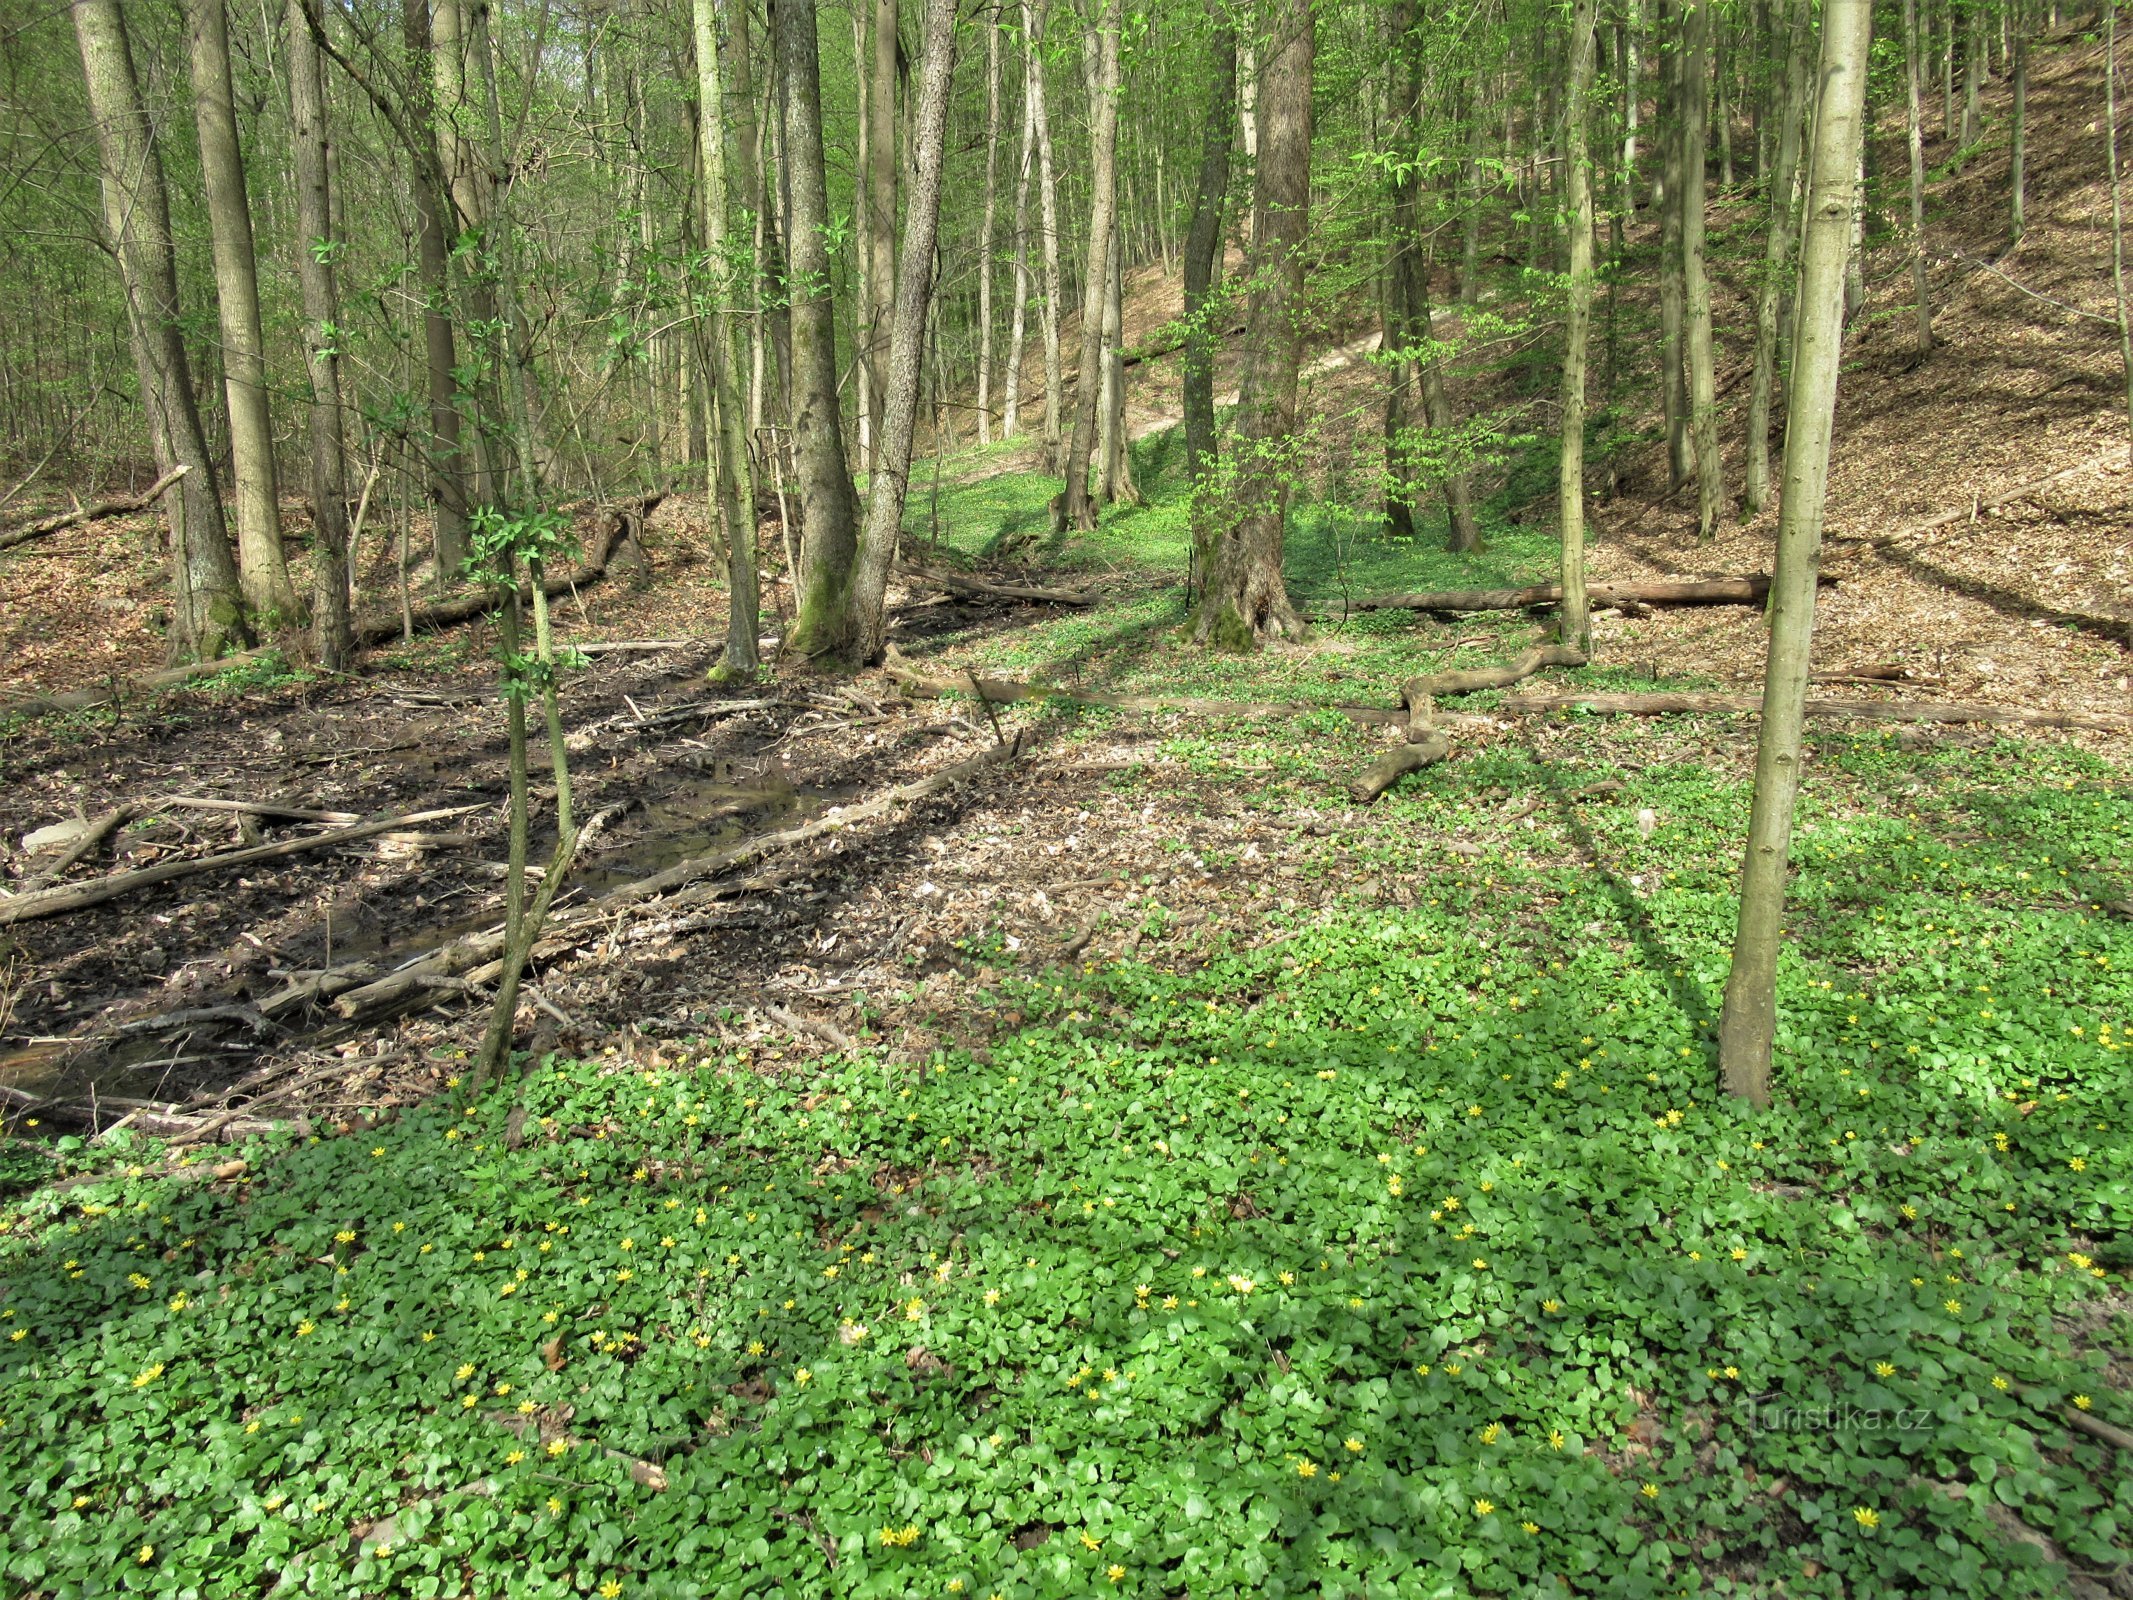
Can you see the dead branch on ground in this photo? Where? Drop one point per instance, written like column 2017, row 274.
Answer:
column 1427, row 742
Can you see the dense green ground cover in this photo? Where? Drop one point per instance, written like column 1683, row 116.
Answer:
column 1410, row 1252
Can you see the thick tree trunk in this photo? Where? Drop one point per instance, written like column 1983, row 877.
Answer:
column 1034, row 18
column 1575, row 624
column 208, row 615
column 881, row 215
column 1771, row 298
column 1748, row 1021
column 1696, row 281
column 992, row 162
column 1673, row 392
column 1075, row 507
column 316, row 248
column 1915, row 134
column 732, row 484
column 1247, row 600
column 1203, row 255
column 867, row 622
column 441, row 449
column 263, row 573
column 829, row 510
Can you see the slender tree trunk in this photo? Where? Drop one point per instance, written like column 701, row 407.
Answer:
column 867, row 622
column 1018, row 315
column 1748, row 1022
column 1947, row 69
column 1033, row 24
column 866, row 316
column 1632, row 61
column 1672, row 289
column 2017, row 176
column 208, row 614
column 441, row 449
column 462, row 184
column 1575, row 627
column 1403, row 244
column 515, row 337
column 265, row 576
column 1118, row 484
column 1247, row 600
column 1973, row 70
column 1203, row 256
column 316, row 249
column 2118, row 221
column 992, row 162
column 1771, row 298
column 881, row 215
column 1915, row 132
column 829, row 510
column 1075, row 508
column 1703, row 381
column 732, row 486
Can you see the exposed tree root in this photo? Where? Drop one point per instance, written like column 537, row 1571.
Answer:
column 1653, row 705
column 1427, row 742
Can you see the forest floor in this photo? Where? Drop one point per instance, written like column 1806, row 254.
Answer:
column 1136, row 1169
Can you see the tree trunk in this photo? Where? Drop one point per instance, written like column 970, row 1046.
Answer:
column 1118, row 484
column 1749, row 1018
column 732, row 486
column 1033, row 25
column 1247, row 601
column 1402, row 340
column 1703, row 381
column 1075, row 508
column 261, row 570
column 829, row 510
column 1203, row 255
column 2017, row 174
column 1575, row 624
column 462, row 186
column 208, row 615
column 441, row 450
column 867, row 622
column 881, row 216
column 2118, row 221
column 1018, row 315
column 316, row 249
column 1915, row 133
column 992, row 161
column 1974, row 69
column 1672, row 291
column 1772, row 296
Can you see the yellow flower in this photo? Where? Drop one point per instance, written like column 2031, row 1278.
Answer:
column 558, row 1447
column 1952, row 1307
column 1114, row 1572
column 803, row 1376
column 1352, row 1445
column 1492, row 1433
column 1307, row 1468
column 1484, row 1508
column 148, row 1375
column 2082, row 1402
column 1551, row 1306
column 1650, row 1491
column 610, row 1589
column 1999, row 1383
column 469, row 1402
column 555, row 1506
column 178, row 1302
column 466, row 1371
column 513, row 1457
column 145, row 1554
column 1866, row 1516
column 1884, row 1369
column 1089, row 1541
column 2078, row 1163
column 138, row 1280
column 1556, row 1441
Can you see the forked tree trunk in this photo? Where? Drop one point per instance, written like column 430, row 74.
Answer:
column 829, row 510
column 1075, row 507
column 1748, row 1021
column 1696, row 281
column 1914, row 131
column 867, row 623
column 1247, row 600
column 441, row 449
column 1203, row 254
column 260, row 566
column 1575, row 624
column 316, row 249
column 207, row 614
column 732, row 486
column 1772, row 297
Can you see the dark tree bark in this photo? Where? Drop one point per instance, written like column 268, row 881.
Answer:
column 1247, row 600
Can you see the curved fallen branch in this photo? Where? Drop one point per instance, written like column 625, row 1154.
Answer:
column 95, row 511
column 1653, row 705
column 958, row 583
column 1748, row 591
column 1427, row 742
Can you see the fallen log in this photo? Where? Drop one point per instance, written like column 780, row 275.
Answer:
column 1427, row 742
column 91, row 840
column 105, row 693
column 1748, row 591
column 95, row 511
column 1654, row 705
column 957, row 583
column 76, row 896
column 1009, row 691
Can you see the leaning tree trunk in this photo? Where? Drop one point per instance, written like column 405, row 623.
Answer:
column 1773, row 295
column 1247, row 601
column 441, row 449
column 1076, row 508
column 315, row 251
column 1696, row 281
column 867, row 622
column 829, row 510
column 1915, row 135
column 1575, row 623
column 207, row 615
column 732, row 488
column 1203, row 254
column 1748, row 1021
column 260, row 567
